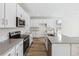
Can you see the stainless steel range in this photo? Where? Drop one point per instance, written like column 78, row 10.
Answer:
column 17, row 34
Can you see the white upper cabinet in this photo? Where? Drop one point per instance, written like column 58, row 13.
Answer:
column 10, row 15
column 7, row 15
column 19, row 11
column 24, row 16
column 27, row 18
column 1, row 15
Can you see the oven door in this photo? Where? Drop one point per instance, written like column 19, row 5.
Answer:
column 26, row 45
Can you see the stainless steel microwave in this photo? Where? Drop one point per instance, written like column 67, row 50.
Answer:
column 20, row 22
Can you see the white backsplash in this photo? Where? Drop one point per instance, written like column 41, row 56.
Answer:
column 4, row 32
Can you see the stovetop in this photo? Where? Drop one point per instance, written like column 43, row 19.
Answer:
column 17, row 34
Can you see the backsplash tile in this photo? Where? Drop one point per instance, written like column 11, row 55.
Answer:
column 4, row 32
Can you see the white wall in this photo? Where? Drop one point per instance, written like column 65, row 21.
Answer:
column 4, row 32
column 70, row 26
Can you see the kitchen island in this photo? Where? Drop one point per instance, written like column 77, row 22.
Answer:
column 67, row 46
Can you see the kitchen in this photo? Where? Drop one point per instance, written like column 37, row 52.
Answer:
column 39, row 29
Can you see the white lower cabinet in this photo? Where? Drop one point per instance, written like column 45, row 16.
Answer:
column 60, row 49
column 19, row 49
column 16, row 50
column 75, row 49
column 11, row 52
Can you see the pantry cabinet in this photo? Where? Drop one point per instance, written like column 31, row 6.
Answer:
column 7, row 15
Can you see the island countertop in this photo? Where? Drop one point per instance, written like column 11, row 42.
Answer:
column 7, row 45
column 64, row 40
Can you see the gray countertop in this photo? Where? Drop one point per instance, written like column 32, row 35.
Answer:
column 8, row 44
column 64, row 40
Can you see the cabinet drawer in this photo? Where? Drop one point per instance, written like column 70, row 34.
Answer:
column 75, row 49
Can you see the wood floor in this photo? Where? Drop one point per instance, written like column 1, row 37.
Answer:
column 37, row 48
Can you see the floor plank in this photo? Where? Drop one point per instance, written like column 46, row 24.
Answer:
column 37, row 48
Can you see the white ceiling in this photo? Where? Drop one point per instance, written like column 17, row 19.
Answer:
column 52, row 9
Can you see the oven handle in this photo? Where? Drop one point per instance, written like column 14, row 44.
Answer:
column 25, row 39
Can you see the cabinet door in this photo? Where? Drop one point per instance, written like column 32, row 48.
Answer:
column 19, row 11
column 27, row 19
column 19, row 49
column 28, row 22
column 61, row 50
column 1, row 15
column 10, row 53
column 75, row 50
column 10, row 15
column 23, row 13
